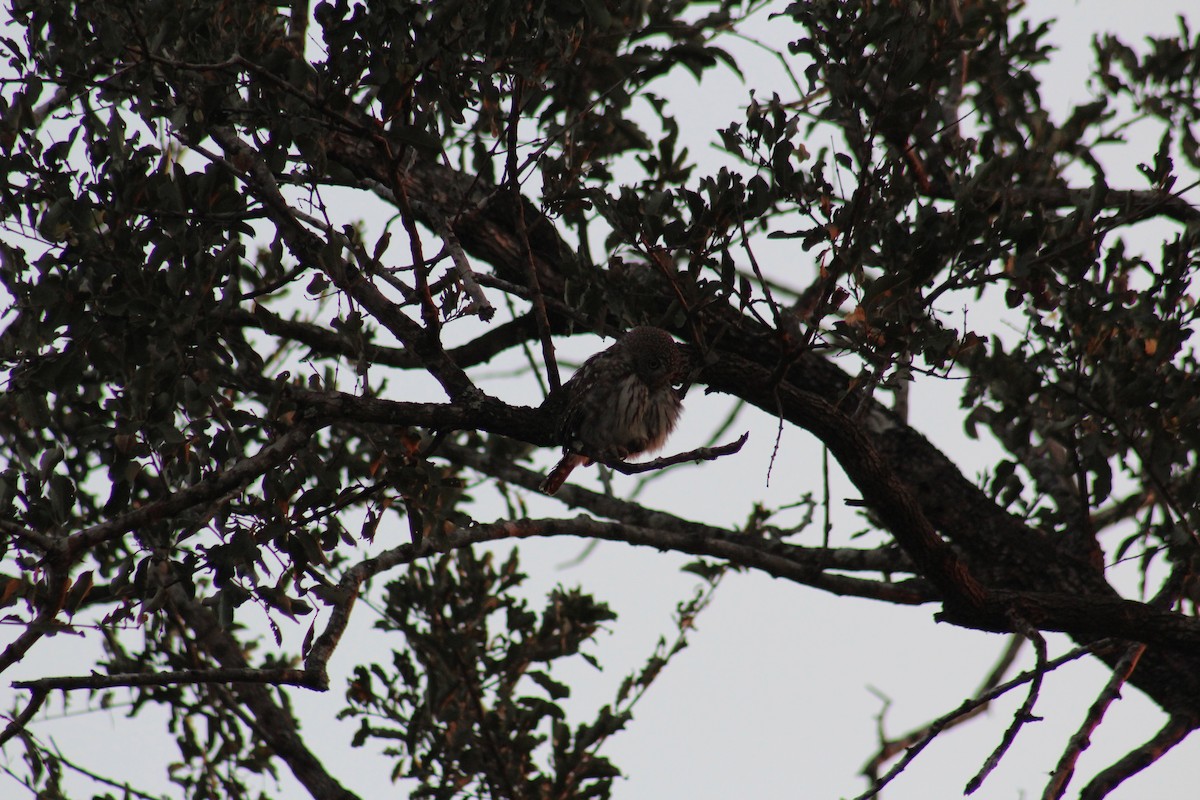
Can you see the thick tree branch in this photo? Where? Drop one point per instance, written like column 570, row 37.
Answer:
column 1097, row 616
column 1132, row 204
column 483, row 413
column 1002, row 551
column 882, row 488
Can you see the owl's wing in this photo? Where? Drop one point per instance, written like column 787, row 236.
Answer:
column 572, row 417
column 580, row 385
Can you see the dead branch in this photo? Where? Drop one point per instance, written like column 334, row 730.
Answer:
column 890, row 747
column 1175, row 731
column 1025, row 712
column 1083, row 737
column 699, row 454
column 967, row 707
column 18, row 723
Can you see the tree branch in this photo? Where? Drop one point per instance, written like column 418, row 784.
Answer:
column 1174, row 732
column 312, row 250
column 213, row 487
column 698, row 454
column 745, row 551
column 968, row 707
column 18, row 723
column 275, row 722
column 882, row 488
column 887, row 560
column 1082, row 738
column 1003, row 551
column 889, row 747
column 68, row 683
column 1024, row 713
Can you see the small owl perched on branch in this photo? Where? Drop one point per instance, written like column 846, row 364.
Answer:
column 621, row 402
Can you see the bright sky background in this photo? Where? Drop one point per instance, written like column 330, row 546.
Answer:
column 778, row 695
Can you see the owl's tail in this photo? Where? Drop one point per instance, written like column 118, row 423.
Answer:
column 562, row 471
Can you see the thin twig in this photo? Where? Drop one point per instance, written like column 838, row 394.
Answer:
column 1175, row 731
column 1083, row 737
column 429, row 309
column 890, row 747
column 18, row 723
column 95, row 776
column 967, row 707
column 481, row 306
column 699, row 454
column 776, row 315
column 1025, row 712
column 537, row 300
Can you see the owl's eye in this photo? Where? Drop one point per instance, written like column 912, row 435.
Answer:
column 656, row 363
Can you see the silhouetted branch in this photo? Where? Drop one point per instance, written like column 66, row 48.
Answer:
column 753, row 552
column 1174, row 732
column 887, row 560
column 123, row 786
column 512, row 185
column 57, row 583
column 326, row 343
column 272, row 720
column 1024, row 713
column 850, row 441
column 462, row 268
column 68, row 683
column 968, row 707
column 890, row 747
column 38, row 540
column 249, row 166
column 239, row 474
column 1082, row 738
column 18, row 723
column 699, row 454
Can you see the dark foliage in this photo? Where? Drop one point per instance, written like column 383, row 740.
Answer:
column 223, row 377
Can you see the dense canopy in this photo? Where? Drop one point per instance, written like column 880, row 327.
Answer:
column 287, row 285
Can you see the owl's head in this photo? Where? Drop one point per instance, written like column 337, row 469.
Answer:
column 657, row 360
